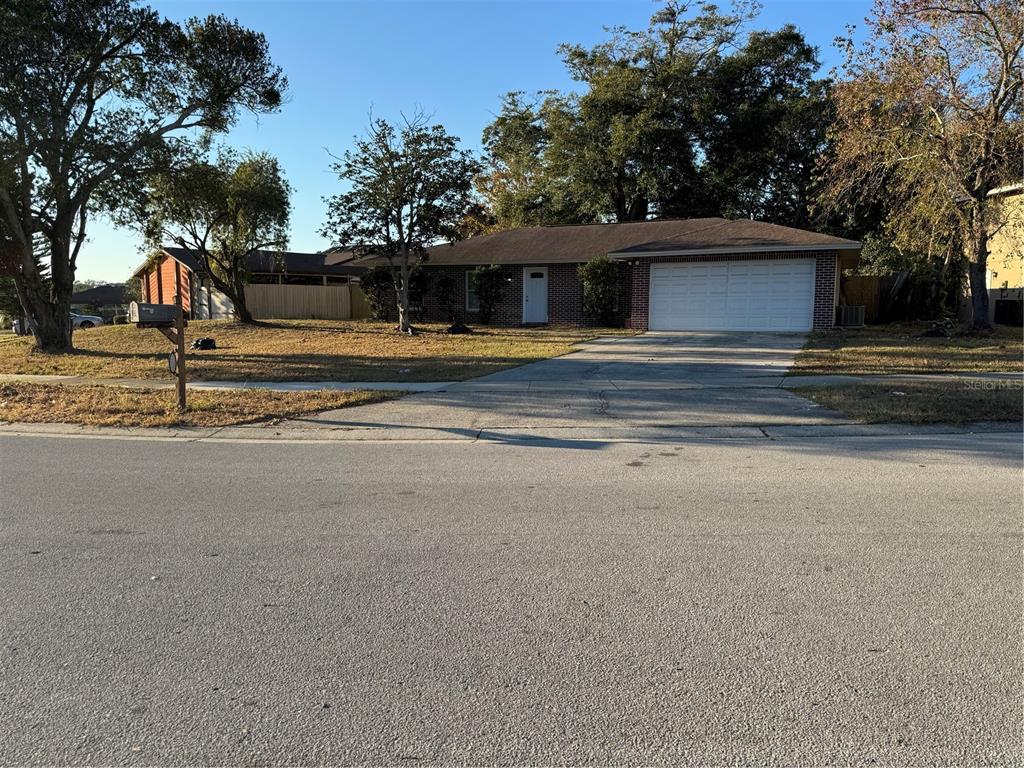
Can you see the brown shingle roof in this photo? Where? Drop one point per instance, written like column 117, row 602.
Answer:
column 581, row 242
column 739, row 236
column 274, row 262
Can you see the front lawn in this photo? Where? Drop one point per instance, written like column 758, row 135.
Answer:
column 299, row 350
column 957, row 401
column 122, row 407
column 900, row 348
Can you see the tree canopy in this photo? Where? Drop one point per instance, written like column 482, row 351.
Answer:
column 95, row 95
column 410, row 187
column 220, row 212
column 693, row 116
column 928, row 123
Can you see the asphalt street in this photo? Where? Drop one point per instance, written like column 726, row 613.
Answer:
column 796, row 601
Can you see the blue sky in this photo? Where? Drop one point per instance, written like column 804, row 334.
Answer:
column 452, row 59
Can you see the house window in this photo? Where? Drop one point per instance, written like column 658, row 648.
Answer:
column 332, row 280
column 472, row 300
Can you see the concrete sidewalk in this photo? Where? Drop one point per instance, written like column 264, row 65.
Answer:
column 276, row 386
column 524, row 384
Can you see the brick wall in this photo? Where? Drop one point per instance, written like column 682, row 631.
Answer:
column 825, row 295
column 565, row 295
column 825, row 279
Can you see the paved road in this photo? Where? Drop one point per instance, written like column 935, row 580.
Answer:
column 657, row 379
column 850, row 601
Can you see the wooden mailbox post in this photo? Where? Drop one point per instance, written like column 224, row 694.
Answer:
column 170, row 321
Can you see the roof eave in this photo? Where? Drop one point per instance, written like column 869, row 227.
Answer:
column 636, row 253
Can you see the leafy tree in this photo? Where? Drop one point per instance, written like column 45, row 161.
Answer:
column 410, row 187
column 489, row 283
column 626, row 143
column 690, row 117
column 10, row 304
column 760, row 123
column 516, row 186
column 602, row 281
column 94, row 95
column 929, row 120
column 220, row 212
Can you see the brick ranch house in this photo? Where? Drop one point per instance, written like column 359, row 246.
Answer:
column 159, row 275
column 692, row 274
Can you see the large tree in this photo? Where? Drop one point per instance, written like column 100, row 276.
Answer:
column 929, row 121
column 760, row 123
column 410, row 186
column 690, row 117
column 221, row 212
column 94, row 95
column 626, row 142
column 516, row 187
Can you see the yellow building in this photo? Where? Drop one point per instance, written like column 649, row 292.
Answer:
column 1006, row 252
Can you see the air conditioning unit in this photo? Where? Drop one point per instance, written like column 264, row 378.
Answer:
column 851, row 315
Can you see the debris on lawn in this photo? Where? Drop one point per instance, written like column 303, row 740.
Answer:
column 457, row 328
column 205, row 342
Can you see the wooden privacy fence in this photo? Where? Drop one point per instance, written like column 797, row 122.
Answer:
column 306, row 302
column 862, row 290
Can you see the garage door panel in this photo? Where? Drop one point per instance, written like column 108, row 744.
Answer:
column 733, row 295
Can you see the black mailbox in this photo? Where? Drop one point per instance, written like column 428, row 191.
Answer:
column 152, row 315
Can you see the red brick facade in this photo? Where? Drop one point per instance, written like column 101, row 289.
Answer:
column 565, row 295
column 825, row 281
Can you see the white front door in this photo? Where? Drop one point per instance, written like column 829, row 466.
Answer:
column 535, row 294
column 748, row 295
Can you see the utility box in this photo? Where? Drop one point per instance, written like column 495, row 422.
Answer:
column 152, row 315
column 850, row 316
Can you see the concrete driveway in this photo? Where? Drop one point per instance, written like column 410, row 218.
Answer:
column 654, row 380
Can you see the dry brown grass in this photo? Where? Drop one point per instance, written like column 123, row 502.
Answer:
column 900, row 348
column 299, row 350
column 118, row 406
column 933, row 402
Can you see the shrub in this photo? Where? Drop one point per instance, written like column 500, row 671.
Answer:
column 603, row 290
column 379, row 290
column 489, row 284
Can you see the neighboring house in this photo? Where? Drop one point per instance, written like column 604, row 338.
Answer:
column 280, row 285
column 1006, row 258
column 107, row 301
column 696, row 274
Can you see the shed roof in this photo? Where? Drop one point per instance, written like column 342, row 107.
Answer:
column 273, row 262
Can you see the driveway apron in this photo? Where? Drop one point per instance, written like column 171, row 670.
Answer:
column 653, row 380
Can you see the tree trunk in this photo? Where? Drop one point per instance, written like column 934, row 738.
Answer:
column 402, row 293
column 242, row 313
column 50, row 322
column 47, row 307
column 977, row 274
column 977, row 270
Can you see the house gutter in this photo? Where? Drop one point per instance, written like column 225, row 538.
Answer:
column 634, row 254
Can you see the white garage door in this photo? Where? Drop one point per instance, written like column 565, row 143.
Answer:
column 733, row 296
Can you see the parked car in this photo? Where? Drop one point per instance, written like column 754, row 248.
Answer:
column 85, row 321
